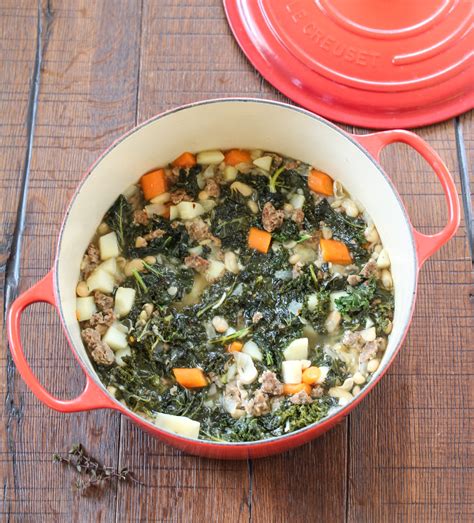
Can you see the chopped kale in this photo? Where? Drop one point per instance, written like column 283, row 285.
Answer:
column 119, row 218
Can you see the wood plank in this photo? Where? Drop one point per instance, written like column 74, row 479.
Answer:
column 87, row 98
column 409, row 442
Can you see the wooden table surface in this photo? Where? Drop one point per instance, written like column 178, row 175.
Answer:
column 75, row 75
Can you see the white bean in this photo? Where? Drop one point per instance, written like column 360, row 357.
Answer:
column 371, row 234
column 358, row 378
column 242, row 188
column 82, row 289
column 383, row 261
column 350, row 207
column 373, row 365
column 356, row 390
column 220, row 324
column 332, row 321
column 387, row 280
column 135, row 264
column 231, row 262
column 253, row 206
column 326, row 232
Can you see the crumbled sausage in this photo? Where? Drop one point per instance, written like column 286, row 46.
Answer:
column 180, row 195
column 301, row 398
column 194, row 261
column 369, row 350
column 351, row 339
column 103, row 301
column 317, row 392
column 105, row 318
column 100, row 351
column 258, row 405
column 257, row 317
column 198, row 230
column 140, row 217
column 353, row 279
column 157, row 233
column 271, row 218
column 212, row 188
column 90, row 260
column 298, row 216
column 369, row 269
column 271, row 384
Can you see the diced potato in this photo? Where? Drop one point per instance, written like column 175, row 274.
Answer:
column 85, row 308
column 297, row 200
column 189, row 210
column 207, row 157
column 297, row 350
column 368, row 334
column 124, row 300
column 178, row 424
column 122, row 353
column 215, row 270
column 174, row 212
column 245, row 368
column 108, row 246
column 115, row 338
column 110, row 266
column 101, row 280
column 292, row 371
column 157, row 209
column 252, row 349
column 324, row 373
column 264, row 162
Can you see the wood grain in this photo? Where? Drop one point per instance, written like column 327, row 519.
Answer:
column 404, row 455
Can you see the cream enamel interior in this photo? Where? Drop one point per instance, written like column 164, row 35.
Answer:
column 246, row 124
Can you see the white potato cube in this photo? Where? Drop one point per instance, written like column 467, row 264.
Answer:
column 108, row 246
column 245, row 368
column 253, row 350
column 297, row 350
column 101, row 280
column 297, row 200
column 85, row 308
column 215, row 270
column 122, row 353
column 110, row 266
column 383, row 261
column 368, row 334
column 178, row 424
column 208, row 157
column 264, row 162
column 230, row 173
column 124, row 300
column 190, row 210
column 174, row 212
column 115, row 338
column 155, row 209
column 292, row 371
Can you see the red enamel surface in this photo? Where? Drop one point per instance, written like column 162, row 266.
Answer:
column 368, row 63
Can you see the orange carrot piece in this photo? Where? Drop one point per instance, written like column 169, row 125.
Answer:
column 153, row 184
column 259, row 240
column 185, row 160
column 190, row 378
column 320, row 182
column 290, row 388
column 311, row 375
column 235, row 346
column 335, row 252
column 236, row 156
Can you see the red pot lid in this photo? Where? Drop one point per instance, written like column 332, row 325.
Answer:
column 371, row 63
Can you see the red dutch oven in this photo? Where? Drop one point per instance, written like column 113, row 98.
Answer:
column 244, row 123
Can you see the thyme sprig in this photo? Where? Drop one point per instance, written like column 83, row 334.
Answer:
column 94, row 474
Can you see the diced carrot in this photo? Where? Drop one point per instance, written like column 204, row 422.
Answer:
column 235, row 346
column 190, row 378
column 236, row 156
column 153, row 184
column 320, row 182
column 335, row 252
column 311, row 375
column 259, row 240
column 185, row 160
column 290, row 388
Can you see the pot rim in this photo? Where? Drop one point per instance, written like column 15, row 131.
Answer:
column 330, row 420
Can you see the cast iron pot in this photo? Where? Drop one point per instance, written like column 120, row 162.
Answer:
column 249, row 124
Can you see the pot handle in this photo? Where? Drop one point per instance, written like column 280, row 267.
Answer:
column 92, row 397
column 426, row 244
